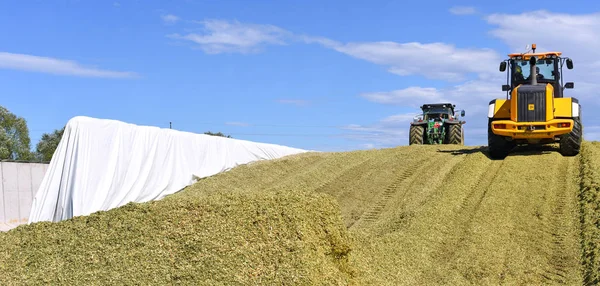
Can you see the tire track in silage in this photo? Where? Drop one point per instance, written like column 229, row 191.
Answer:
column 463, row 219
column 352, row 184
column 559, row 260
column 403, row 183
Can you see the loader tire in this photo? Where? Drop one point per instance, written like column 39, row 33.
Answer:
column 455, row 134
column 416, row 134
column 570, row 143
column 498, row 147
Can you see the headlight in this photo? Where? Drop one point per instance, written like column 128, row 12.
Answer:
column 575, row 109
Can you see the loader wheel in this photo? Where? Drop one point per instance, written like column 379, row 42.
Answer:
column 570, row 143
column 455, row 134
column 498, row 147
column 416, row 134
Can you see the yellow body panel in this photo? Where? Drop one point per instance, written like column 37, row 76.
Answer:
column 555, row 107
column 562, row 107
column 502, row 108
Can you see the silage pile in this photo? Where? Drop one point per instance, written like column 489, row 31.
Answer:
column 415, row 215
column 272, row 237
column 589, row 198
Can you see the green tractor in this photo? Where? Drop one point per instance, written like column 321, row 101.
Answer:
column 439, row 124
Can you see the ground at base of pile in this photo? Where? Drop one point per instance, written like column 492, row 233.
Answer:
column 221, row 239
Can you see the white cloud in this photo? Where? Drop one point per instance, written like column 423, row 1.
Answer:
column 398, row 118
column 431, row 60
column 468, row 94
column 463, row 10
column 387, row 132
column 550, row 31
column 170, row 19
column 56, row 66
column 234, row 37
column 297, row 102
column 434, row 61
column 411, row 96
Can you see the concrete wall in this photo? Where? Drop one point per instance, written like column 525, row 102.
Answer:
column 19, row 184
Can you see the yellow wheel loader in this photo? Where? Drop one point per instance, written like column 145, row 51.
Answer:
column 535, row 110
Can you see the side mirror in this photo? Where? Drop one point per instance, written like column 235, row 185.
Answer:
column 505, row 87
column 462, row 113
column 569, row 85
column 502, row 66
column 570, row 64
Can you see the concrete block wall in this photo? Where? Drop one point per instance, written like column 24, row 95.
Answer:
column 19, row 183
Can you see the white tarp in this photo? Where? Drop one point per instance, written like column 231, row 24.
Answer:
column 101, row 164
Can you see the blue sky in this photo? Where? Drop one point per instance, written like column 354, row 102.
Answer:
column 319, row 75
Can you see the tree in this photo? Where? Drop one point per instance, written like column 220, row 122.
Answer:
column 48, row 144
column 15, row 143
column 217, row 134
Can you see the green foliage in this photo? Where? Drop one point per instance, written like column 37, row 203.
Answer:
column 217, row 134
column 48, row 144
column 15, row 143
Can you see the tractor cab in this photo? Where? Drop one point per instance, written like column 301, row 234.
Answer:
column 536, row 69
column 439, row 112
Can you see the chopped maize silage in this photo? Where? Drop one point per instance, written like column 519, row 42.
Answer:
column 415, row 215
column 589, row 198
column 281, row 237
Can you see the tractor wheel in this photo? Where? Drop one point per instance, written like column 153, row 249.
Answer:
column 416, row 134
column 570, row 143
column 498, row 147
column 455, row 134
column 462, row 135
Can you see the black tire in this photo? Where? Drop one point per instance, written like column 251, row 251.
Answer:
column 455, row 134
column 498, row 147
column 570, row 143
column 416, row 134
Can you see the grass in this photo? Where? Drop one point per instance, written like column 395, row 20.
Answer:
column 399, row 216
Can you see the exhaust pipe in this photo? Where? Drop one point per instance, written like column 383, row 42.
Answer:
column 532, row 73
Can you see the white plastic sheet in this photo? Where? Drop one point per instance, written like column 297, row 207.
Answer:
column 102, row 164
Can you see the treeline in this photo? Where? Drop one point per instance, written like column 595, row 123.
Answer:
column 15, row 143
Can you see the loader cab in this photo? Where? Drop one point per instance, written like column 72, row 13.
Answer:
column 548, row 69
